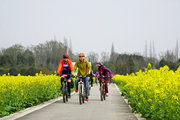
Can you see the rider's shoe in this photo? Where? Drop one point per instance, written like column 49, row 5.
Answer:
column 107, row 95
column 87, row 99
column 76, row 90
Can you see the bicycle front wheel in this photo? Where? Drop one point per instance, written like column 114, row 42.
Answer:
column 101, row 92
column 83, row 93
column 80, row 94
column 64, row 92
column 104, row 95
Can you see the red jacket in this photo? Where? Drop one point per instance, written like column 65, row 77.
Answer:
column 61, row 65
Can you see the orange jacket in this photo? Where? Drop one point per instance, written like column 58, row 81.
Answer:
column 61, row 65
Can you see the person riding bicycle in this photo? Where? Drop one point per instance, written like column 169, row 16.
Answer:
column 103, row 70
column 84, row 69
column 66, row 67
column 91, row 78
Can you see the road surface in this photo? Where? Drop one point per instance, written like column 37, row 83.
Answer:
column 113, row 108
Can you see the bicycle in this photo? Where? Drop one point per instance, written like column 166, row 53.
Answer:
column 110, row 81
column 82, row 89
column 65, row 88
column 96, row 80
column 89, row 80
column 102, row 87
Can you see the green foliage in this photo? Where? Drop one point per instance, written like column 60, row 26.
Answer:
column 128, row 64
column 23, row 71
column 121, row 68
column 93, row 66
column 31, row 71
column 6, row 60
column 13, row 71
column 2, row 72
column 172, row 65
column 132, row 66
column 111, row 66
column 163, row 62
column 21, row 59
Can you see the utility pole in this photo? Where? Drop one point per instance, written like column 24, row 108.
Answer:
column 150, row 50
column 154, row 52
column 177, row 50
column 146, row 49
column 112, row 55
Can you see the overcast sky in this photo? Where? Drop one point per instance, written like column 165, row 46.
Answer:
column 92, row 25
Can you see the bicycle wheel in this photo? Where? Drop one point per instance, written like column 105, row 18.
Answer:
column 69, row 90
column 83, row 92
column 64, row 92
column 104, row 95
column 101, row 92
column 80, row 94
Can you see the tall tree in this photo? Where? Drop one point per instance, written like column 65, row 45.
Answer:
column 112, row 55
column 104, row 57
column 169, row 56
column 92, row 57
column 177, row 50
column 13, row 51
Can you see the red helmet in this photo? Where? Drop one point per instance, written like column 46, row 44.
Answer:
column 65, row 56
column 99, row 64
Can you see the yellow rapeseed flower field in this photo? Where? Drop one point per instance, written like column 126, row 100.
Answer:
column 19, row 92
column 153, row 93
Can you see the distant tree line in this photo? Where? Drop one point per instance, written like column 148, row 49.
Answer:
column 129, row 63
column 45, row 57
column 28, row 61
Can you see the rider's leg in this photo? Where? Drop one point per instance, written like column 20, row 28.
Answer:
column 86, row 85
column 76, row 83
column 106, row 85
column 99, row 83
column 91, row 78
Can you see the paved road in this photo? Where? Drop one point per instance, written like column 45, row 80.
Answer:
column 114, row 108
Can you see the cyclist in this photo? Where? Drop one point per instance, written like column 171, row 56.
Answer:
column 84, row 69
column 91, row 78
column 66, row 67
column 103, row 70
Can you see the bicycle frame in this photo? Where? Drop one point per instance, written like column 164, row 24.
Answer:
column 82, row 89
column 102, row 87
column 65, row 87
column 64, row 90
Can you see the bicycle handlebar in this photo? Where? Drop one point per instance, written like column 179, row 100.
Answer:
column 102, row 76
column 65, row 75
column 82, row 76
